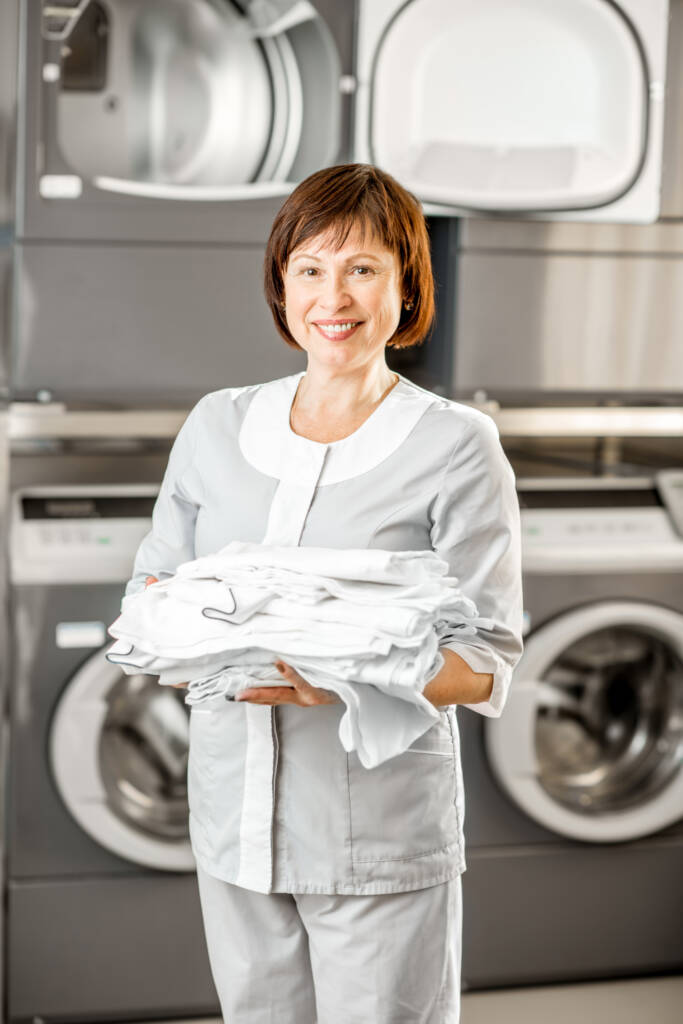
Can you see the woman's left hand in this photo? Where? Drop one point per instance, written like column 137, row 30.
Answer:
column 297, row 692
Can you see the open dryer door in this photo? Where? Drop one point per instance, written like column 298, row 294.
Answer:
column 529, row 108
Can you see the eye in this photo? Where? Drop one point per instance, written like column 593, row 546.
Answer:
column 362, row 271
column 309, row 271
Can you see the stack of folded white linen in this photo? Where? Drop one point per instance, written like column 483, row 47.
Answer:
column 364, row 624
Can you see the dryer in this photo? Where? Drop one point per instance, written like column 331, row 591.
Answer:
column 103, row 916
column 156, row 141
column 176, row 120
column 574, row 797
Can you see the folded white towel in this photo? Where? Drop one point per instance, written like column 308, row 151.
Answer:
column 363, row 624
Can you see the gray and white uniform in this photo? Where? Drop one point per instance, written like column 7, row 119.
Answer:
column 276, row 804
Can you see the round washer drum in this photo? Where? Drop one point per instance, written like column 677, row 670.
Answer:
column 118, row 754
column 591, row 742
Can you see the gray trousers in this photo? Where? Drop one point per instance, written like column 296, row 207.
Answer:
column 299, row 958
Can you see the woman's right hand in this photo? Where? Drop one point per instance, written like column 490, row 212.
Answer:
column 149, row 580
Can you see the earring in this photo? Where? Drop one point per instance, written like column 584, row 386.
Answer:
column 409, row 305
column 282, row 306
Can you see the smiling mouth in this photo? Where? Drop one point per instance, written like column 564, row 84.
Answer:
column 337, row 328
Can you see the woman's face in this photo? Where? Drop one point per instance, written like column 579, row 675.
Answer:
column 343, row 305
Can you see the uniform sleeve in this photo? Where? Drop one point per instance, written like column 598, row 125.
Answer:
column 171, row 538
column 476, row 529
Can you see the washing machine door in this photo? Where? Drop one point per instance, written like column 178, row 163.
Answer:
column 183, row 100
column 590, row 744
column 527, row 107
column 118, row 753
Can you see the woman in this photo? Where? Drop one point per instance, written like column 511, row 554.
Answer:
column 330, row 892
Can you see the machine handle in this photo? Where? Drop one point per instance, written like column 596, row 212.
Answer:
column 194, row 193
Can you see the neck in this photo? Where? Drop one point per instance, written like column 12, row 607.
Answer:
column 331, row 391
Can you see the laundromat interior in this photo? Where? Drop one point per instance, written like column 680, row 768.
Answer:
column 145, row 149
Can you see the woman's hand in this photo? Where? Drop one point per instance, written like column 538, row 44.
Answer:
column 298, row 692
column 149, row 580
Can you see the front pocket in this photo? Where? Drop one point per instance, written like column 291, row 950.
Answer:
column 215, row 779
column 406, row 807
column 201, row 764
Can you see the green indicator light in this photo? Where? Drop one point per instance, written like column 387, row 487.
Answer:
column 104, row 540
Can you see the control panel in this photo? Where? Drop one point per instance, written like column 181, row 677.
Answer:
column 78, row 534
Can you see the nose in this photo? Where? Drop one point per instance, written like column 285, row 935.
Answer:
column 334, row 292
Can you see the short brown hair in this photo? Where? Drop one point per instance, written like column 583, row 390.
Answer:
column 332, row 202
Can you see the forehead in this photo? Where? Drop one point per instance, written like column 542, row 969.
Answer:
column 335, row 242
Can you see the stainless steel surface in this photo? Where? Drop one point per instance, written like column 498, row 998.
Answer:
column 9, row 33
column 188, row 97
column 5, row 314
column 559, row 323
column 143, row 756
column 4, row 671
column 635, row 421
column 500, row 235
column 143, row 324
column 672, row 157
column 29, row 421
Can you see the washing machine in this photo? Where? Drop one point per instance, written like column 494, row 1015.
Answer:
column 102, row 909
column 537, row 108
column 574, row 796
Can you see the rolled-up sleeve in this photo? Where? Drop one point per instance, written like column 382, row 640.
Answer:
column 476, row 529
column 171, row 538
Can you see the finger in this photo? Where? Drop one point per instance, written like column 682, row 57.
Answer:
column 149, row 580
column 292, row 676
column 267, row 695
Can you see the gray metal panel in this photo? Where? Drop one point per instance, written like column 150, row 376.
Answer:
column 48, row 843
column 576, row 237
column 528, row 322
column 672, row 166
column 9, row 30
column 6, row 255
column 572, row 913
column 136, row 324
column 4, row 678
column 108, row 948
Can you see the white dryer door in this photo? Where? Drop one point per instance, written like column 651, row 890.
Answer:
column 590, row 744
column 532, row 106
column 118, row 752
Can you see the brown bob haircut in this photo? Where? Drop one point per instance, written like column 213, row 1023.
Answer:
column 333, row 201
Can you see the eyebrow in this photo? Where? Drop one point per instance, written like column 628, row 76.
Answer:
column 355, row 256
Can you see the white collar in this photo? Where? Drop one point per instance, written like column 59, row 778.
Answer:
column 269, row 444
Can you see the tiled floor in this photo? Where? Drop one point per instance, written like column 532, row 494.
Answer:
column 642, row 1001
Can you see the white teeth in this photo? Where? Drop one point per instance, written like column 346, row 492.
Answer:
column 337, row 328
